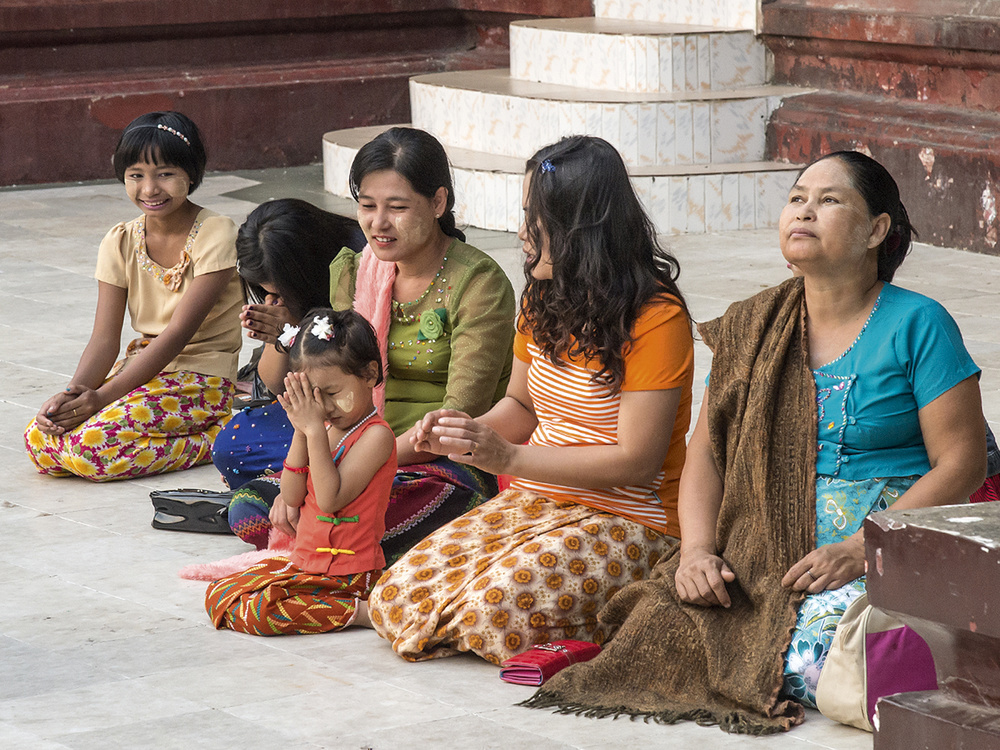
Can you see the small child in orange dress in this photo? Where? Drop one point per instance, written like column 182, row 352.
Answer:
column 339, row 470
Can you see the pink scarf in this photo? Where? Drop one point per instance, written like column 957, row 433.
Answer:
column 373, row 300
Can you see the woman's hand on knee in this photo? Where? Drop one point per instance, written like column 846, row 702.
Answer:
column 45, row 419
column 86, row 404
column 701, row 579
column 827, row 567
column 283, row 517
column 68, row 409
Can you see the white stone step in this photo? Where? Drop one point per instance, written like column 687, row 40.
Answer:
column 740, row 14
column 638, row 56
column 694, row 199
column 490, row 112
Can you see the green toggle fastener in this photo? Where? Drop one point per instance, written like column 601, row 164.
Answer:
column 338, row 521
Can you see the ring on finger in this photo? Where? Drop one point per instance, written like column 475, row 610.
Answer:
column 74, row 412
column 474, row 448
column 811, row 574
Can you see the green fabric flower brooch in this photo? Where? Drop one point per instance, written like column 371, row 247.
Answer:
column 432, row 324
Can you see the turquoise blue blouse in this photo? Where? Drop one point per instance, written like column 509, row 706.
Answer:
column 908, row 353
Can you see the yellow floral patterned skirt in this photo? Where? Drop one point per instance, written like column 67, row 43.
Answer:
column 518, row 570
column 167, row 424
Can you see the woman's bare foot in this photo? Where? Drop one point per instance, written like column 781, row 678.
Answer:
column 361, row 616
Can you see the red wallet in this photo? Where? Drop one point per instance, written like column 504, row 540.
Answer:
column 543, row 660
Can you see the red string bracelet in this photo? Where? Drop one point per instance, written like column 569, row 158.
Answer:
column 295, row 469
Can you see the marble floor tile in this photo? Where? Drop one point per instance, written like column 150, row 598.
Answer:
column 205, row 729
column 363, row 707
column 99, row 707
column 15, row 737
column 477, row 732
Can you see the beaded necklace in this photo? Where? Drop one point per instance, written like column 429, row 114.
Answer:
column 401, row 310
column 170, row 277
column 340, row 444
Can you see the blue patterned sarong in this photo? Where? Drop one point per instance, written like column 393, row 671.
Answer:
column 841, row 508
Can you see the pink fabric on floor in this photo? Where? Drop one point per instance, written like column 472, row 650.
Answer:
column 279, row 544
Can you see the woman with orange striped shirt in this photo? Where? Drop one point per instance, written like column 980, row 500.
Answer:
column 592, row 430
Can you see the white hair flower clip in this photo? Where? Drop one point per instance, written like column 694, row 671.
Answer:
column 322, row 329
column 287, row 338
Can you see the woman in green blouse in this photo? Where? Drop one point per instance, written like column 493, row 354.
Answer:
column 444, row 315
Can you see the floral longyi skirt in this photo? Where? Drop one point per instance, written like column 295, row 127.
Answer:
column 841, row 507
column 167, row 424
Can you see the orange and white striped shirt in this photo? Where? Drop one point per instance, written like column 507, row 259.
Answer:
column 573, row 410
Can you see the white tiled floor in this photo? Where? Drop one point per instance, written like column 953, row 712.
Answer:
column 101, row 645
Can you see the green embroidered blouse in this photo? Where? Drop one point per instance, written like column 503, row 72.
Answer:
column 451, row 348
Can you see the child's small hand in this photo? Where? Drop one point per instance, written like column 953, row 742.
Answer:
column 267, row 321
column 284, row 517
column 302, row 403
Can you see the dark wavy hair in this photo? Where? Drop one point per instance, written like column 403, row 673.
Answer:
column 881, row 194
column 416, row 155
column 606, row 261
column 288, row 244
column 352, row 347
column 162, row 138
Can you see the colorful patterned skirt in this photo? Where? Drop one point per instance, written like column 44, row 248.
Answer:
column 424, row 497
column 841, row 507
column 168, row 424
column 274, row 597
column 252, row 444
column 518, row 570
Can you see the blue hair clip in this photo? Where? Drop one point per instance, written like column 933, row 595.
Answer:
column 547, row 166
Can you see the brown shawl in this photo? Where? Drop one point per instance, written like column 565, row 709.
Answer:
column 671, row 661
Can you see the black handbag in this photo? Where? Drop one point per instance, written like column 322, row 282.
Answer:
column 196, row 510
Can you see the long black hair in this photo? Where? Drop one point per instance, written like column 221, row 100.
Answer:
column 288, row 244
column 416, row 155
column 881, row 194
column 162, row 138
column 606, row 261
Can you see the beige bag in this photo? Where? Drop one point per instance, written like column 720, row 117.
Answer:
column 872, row 655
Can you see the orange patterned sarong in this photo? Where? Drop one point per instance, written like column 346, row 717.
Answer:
column 518, row 570
column 275, row 597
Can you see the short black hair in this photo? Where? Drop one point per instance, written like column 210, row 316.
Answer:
column 162, row 138
column 352, row 347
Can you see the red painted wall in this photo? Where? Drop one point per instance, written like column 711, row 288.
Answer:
column 915, row 83
column 263, row 80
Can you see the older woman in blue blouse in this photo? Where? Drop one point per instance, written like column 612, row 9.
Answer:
column 897, row 397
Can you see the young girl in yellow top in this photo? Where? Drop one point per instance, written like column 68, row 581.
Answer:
column 339, row 469
column 173, row 268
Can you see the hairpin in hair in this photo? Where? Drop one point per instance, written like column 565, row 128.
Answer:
column 287, row 338
column 321, row 328
column 548, row 166
column 179, row 134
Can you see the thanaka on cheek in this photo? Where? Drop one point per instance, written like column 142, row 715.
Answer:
column 345, row 403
